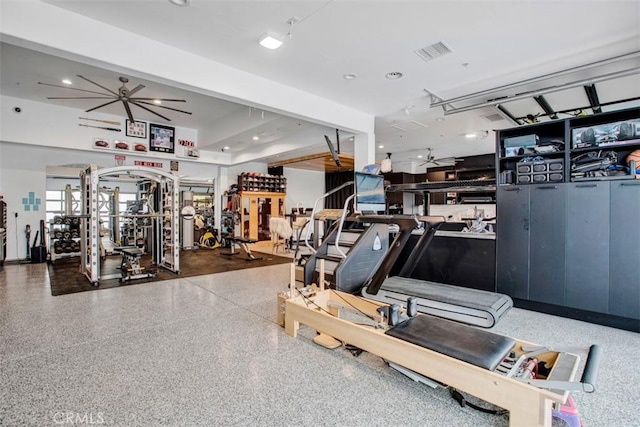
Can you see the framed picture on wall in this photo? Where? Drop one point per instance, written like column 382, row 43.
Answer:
column 161, row 138
column 136, row 129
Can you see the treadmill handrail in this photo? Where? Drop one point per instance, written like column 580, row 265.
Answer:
column 340, row 224
column 315, row 207
column 406, row 225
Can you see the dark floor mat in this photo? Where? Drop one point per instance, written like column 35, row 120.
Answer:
column 65, row 276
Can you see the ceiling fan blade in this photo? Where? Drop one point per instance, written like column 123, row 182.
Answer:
column 72, row 88
column 136, row 101
column 136, row 89
column 126, row 107
column 100, row 106
column 80, row 97
column 150, row 110
column 160, row 99
column 99, row 85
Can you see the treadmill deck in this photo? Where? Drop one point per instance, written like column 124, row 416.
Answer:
column 471, row 306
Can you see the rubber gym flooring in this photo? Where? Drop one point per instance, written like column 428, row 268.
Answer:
column 66, row 278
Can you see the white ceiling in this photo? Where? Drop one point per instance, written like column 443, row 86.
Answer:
column 493, row 43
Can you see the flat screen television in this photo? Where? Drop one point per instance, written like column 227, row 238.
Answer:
column 370, row 196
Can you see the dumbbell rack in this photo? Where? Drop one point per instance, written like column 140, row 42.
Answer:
column 64, row 237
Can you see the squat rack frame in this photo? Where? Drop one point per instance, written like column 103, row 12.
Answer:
column 165, row 249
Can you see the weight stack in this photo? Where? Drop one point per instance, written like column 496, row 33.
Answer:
column 38, row 254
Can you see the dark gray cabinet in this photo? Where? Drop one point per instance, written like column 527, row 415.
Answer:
column 512, row 241
column 547, row 243
column 587, row 237
column 624, row 249
column 531, row 243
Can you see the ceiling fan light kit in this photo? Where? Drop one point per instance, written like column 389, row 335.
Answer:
column 123, row 95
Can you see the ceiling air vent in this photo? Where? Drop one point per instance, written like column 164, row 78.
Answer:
column 433, row 51
column 494, row 117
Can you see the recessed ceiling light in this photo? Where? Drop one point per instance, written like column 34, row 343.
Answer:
column 470, row 135
column 270, row 41
column 157, row 101
column 226, row 147
column 380, row 146
column 394, row 75
column 180, row 2
column 349, row 76
column 67, row 81
column 256, row 138
column 419, row 156
column 440, row 119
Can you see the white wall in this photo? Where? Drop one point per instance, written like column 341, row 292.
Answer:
column 303, row 187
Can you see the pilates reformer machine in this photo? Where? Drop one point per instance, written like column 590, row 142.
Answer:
column 528, row 380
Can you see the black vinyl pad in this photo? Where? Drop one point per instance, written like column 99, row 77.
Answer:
column 466, row 343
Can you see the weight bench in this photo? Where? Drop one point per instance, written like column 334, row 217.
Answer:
column 484, row 364
column 130, row 265
column 242, row 242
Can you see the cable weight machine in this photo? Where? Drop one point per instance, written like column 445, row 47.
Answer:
column 163, row 217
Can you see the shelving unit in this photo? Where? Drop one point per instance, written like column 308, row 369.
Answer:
column 549, row 152
column 567, row 235
column 250, row 181
column 64, row 237
column 256, row 208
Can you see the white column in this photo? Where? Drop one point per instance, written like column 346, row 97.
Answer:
column 364, row 149
column 221, row 185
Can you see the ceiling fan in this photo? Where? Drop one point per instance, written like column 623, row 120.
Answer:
column 123, row 95
column 443, row 161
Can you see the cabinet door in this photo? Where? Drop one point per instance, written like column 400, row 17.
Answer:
column 624, row 261
column 548, row 205
column 512, row 241
column 588, row 246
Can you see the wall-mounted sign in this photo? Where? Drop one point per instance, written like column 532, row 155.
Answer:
column 120, row 159
column 148, row 164
column 174, row 166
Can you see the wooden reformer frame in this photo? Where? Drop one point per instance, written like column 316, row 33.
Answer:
column 527, row 404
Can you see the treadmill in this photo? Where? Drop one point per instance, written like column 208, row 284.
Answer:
column 465, row 305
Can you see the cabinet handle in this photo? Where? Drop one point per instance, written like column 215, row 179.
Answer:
column 547, row 187
column 586, row 185
column 513, row 189
column 630, row 183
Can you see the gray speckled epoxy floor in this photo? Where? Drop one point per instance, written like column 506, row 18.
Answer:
column 207, row 351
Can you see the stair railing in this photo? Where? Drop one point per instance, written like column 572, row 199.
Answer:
column 340, row 224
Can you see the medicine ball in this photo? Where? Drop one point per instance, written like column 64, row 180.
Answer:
column 634, row 155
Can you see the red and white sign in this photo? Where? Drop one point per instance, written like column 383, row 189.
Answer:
column 186, row 143
column 148, row 164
